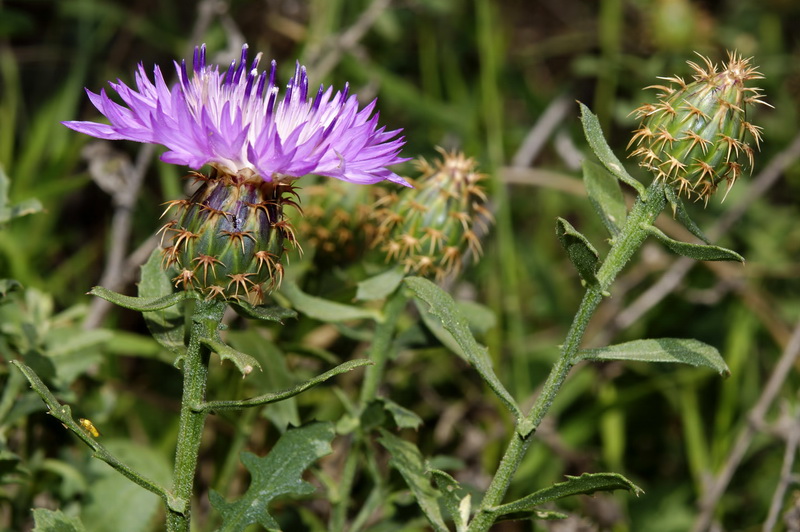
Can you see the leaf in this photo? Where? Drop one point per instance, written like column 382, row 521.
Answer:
column 8, row 285
column 324, row 310
column 275, row 475
column 682, row 350
column 380, row 286
column 407, row 459
column 594, row 134
column 141, row 304
column 679, row 213
column 55, row 521
column 277, row 314
column 454, row 498
column 585, row 484
column 7, row 211
column 606, row 196
column 444, row 308
column 243, row 362
column 403, row 417
column 579, row 250
column 694, row 251
column 284, row 394
column 167, row 325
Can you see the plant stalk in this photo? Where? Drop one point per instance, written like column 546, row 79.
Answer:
column 205, row 321
column 630, row 239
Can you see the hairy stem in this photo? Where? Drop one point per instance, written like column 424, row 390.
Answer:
column 644, row 212
column 205, row 321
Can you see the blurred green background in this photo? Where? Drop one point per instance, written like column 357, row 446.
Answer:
column 497, row 79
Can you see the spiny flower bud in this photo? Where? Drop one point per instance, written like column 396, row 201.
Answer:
column 228, row 238
column 697, row 135
column 430, row 227
column 335, row 220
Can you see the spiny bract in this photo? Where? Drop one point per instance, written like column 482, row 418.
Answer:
column 429, row 228
column 228, row 238
column 697, row 135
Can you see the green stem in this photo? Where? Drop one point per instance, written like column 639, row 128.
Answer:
column 205, row 321
column 644, row 212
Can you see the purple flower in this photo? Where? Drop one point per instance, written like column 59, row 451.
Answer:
column 235, row 121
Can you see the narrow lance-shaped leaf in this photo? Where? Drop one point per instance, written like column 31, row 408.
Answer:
column 579, row 250
column 274, row 397
column 680, row 214
column 444, row 308
column 681, row 350
column 381, row 285
column 585, row 484
column 324, row 310
column 594, row 135
column 141, row 304
column 276, row 314
column 407, row 459
column 606, row 196
column 694, row 251
column 278, row 474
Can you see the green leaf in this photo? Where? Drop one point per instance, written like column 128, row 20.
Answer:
column 594, row 134
column 585, row 484
column 167, row 325
column 141, row 304
column 407, row 459
column 243, row 362
column 380, row 286
column 403, row 417
column 679, row 213
column 324, row 310
column 682, row 350
column 277, row 314
column 605, row 196
column 456, row 500
column 444, row 308
column 694, row 251
column 7, row 211
column 8, row 285
column 55, row 521
column 579, row 250
column 275, row 475
column 284, row 394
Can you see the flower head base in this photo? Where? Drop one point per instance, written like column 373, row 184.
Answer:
column 235, row 121
column 696, row 135
column 228, row 238
column 429, row 228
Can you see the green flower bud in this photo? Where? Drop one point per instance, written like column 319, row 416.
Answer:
column 335, row 220
column 698, row 135
column 228, row 238
column 430, row 227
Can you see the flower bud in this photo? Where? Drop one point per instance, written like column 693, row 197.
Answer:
column 697, row 135
column 228, row 238
column 430, row 227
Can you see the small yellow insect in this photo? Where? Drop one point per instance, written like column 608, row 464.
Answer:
column 89, row 426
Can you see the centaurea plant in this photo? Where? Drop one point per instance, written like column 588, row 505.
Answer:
column 226, row 243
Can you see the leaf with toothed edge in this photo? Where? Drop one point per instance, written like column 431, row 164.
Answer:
column 277, row 474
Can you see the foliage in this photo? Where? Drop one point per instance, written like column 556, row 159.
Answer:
column 454, row 374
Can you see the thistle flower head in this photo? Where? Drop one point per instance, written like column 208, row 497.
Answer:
column 236, row 121
column 698, row 135
column 429, row 228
